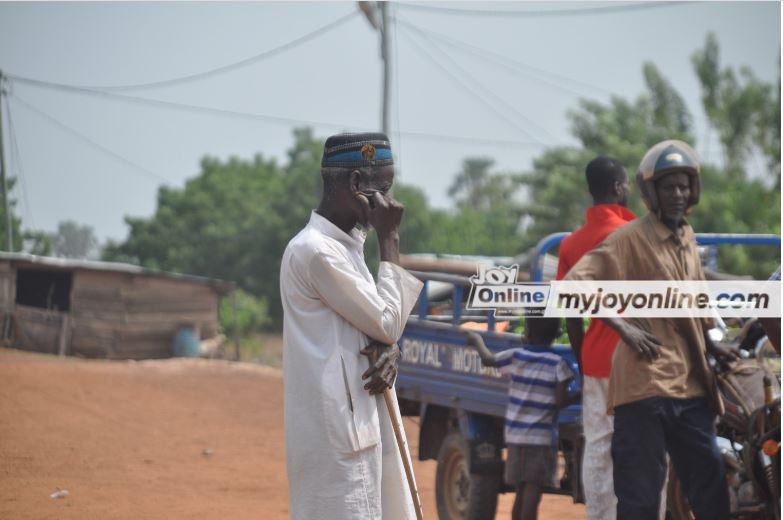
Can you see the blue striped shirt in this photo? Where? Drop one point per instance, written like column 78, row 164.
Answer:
column 531, row 414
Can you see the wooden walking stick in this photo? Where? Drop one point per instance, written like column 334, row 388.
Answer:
column 402, row 443
column 405, row 454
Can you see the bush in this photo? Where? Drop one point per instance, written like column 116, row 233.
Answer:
column 252, row 314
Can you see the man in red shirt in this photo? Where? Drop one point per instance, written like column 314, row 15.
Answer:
column 607, row 181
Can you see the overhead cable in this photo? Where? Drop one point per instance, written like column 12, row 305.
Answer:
column 183, row 107
column 517, row 65
column 225, row 68
column 89, row 141
column 509, row 63
column 489, row 92
column 532, row 13
column 459, row 81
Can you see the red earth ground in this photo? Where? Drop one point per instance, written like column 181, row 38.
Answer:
column 157, row 440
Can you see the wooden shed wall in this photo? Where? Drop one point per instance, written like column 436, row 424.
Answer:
column 119, row 315
column 37, row 329
column 7, row 286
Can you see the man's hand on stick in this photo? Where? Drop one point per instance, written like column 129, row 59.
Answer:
column 383, row 366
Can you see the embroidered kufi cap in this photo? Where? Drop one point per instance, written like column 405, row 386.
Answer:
column 357, row 150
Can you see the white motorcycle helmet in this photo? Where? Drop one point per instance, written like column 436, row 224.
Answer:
column 664, row 158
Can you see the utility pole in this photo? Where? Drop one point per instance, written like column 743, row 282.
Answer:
column 370, row 11
column 385, row 56
column 8, row 236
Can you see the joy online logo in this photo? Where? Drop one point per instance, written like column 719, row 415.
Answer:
column 496, row 287
column 495, row 275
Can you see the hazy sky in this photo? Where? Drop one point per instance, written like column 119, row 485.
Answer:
column 332, row 81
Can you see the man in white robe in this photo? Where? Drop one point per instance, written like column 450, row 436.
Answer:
column 342, row 458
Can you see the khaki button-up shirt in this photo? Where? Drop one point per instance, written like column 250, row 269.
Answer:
column 646, row 249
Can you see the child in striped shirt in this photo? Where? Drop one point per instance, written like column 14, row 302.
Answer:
column 538, row 388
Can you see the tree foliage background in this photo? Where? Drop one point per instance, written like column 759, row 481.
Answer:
column 234, row 219
column 73, row 240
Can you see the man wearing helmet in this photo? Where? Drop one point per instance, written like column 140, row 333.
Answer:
column 661, row 390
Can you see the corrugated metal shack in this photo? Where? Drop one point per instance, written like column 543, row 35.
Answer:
column 101, row 309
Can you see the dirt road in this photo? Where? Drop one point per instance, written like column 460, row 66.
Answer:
column 156, row 440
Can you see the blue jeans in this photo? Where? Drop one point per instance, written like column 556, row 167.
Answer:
column 643, row 432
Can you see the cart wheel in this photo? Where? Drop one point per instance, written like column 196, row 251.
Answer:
column 460, row 494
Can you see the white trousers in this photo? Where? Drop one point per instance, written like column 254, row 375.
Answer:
column 597, row 461
column 597, row 470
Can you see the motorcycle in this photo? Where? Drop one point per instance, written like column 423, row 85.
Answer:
column 748, row 433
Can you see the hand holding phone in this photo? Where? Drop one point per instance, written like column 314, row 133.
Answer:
column 385, row 214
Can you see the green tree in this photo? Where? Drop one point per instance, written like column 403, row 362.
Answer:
column 31, row 241
column 487, row 213
column 419, row 223
column 558, row 195
column 75, row 241
column 232, row 221
column 252, row 315
column 744, row 110
column 622, row 129
column 37, row 242
column 17, row 234
column 734, row 205
column 468, row 190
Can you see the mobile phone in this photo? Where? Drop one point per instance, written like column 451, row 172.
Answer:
column 370, row 194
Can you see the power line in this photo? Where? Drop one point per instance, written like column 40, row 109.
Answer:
column 510, row 143
column 89, row 141
column 531, row 13
column 17, row 163
column 489, row 92
column 509, row 63
column 459, row 81
column 225, row 68
column 183, row 107
column 517, row 65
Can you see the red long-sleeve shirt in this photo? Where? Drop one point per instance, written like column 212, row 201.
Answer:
column 600, row 340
